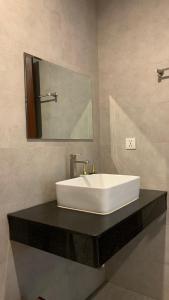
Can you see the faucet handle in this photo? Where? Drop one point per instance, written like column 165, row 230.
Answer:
column 74, row 155
column 93, row 169
column 84, row 170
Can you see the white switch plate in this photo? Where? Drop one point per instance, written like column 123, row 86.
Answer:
column 130, row 143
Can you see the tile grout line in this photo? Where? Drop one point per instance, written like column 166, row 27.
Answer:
column 96, row 292
column 124, row 288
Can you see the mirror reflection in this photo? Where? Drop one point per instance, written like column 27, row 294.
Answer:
column 58, row 101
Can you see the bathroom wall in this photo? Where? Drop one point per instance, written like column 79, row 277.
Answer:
column 63, row 32
column 74, row 103
column 133, row 41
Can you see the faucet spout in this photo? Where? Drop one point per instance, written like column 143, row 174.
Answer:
column 73, row 165
column 82, row 162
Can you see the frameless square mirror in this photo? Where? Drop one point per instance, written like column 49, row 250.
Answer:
column 58, row 101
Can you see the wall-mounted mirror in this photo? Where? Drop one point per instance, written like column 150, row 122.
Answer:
column 58, row 101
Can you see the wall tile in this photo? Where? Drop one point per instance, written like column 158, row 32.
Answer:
column 132, row 102
column 111, row 291
column 143, row 265
column 146, row 277
column 63, row 32
column 2, row 279
column 58, row 278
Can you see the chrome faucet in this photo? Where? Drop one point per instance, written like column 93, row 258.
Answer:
column 73, row 165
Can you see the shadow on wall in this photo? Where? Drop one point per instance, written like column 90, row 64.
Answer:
column 141, row 265
column 107, row 163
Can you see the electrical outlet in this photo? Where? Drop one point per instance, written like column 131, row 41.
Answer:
column 130, row 143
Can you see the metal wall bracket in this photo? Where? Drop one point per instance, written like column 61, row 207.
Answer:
column 54, row 99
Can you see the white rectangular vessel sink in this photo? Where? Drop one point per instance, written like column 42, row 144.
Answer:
column 98, row 193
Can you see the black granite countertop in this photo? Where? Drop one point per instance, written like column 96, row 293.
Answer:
column 27, row 226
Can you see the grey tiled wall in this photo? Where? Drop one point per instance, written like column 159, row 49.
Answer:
column 63, row 32
column 133, row 40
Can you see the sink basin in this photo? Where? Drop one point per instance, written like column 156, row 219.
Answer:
column 97, row 193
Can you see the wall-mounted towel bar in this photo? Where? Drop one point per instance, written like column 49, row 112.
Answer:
column 54, row 99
